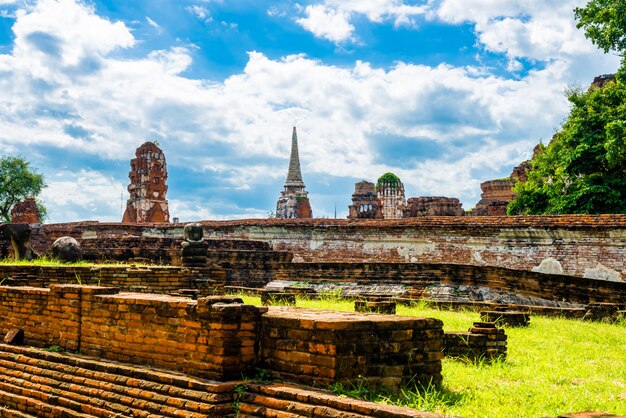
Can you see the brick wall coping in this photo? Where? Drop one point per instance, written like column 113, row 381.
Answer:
column 327, row 319
column 606, row 221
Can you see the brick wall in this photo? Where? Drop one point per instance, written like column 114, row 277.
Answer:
column 321, row 347
column 581, row 244
column 153, row 279
column 418, row 276
column 210, row 338
column 221, row 338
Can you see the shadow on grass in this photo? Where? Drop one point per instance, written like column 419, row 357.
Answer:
column 431, row 398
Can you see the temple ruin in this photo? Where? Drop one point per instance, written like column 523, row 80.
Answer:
column 391, row 194
column 148, row 173
column 365, row 202
column 25, row 212
column 294, row 201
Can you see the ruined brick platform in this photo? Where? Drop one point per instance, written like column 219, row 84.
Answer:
column 321, row 347
column 45, row 384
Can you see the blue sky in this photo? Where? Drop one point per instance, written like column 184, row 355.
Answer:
column 444, row 93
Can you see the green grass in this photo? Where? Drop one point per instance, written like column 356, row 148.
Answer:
column 554, row 366
column 46, row 261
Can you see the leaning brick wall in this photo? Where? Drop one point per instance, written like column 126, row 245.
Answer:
column 322, row 347
column 420, row 276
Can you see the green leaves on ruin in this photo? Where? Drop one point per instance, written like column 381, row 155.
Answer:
column 18, row 181
column 583, row 169
column 388, row 178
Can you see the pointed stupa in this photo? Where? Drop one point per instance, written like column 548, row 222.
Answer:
column 294, row 175
column 294, row 201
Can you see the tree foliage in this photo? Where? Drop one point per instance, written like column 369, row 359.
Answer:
column 18, row 182
column 604, row 22
column 583, row 169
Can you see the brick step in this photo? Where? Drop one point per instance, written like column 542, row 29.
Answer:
column 30, row 405
column 6, row 412
column 111, row 371
column 281, row 400
column 127, row 391
column 68, row 393
column 265, row 406
column 70, row 383
column 255, row 411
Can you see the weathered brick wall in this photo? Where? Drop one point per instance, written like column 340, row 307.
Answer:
column 321, row 347
column 579, row 243
column 153, row 279
column 221, row 338
column 209, row 338
column 216, row 341
column 418, row 276
column 483, row 341
column 47, row 316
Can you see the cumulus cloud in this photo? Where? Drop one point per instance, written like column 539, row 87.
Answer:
column 331, row 19
column 84, row 195
column 534, row 29
column 64, row 87
column 327, row 23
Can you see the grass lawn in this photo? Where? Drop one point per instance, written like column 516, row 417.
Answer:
column 554, row 366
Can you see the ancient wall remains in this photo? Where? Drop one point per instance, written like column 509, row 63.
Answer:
column 146, row 279
column 432, row 206
column 580, row 245
column 221, row 338
column 418, row 277
column 25, row 212
column 322, row 347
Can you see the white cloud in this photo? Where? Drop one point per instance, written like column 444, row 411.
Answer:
column 331, row 19
column 327, row 23
column 71, row 196
column 533, row 29
column 201, row 12
column 153, row 24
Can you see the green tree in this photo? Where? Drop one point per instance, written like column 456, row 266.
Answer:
column 583, row 169
column 604, row 22
column 18, row 182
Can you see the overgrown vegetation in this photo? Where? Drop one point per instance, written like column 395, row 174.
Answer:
column 554, row 366
column 18, row 181
column 582, row 169
column 47, row 261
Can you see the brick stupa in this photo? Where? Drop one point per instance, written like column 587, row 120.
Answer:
column 148, row 173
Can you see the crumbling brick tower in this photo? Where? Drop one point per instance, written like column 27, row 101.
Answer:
column 148, row 173
column 365, row 202
column 294, row 200
column 391, row 194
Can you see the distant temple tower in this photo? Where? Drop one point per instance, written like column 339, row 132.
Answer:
column 294, row 201
column 391, row 194
column 365, row 202
column 148, row 172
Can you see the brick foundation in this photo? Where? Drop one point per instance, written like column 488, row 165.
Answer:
column 321, row 347
column 221, row 338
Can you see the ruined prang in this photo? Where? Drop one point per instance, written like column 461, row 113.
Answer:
column 365, row 202
column 294, row 201
column 391, row 195
column 148, row 173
